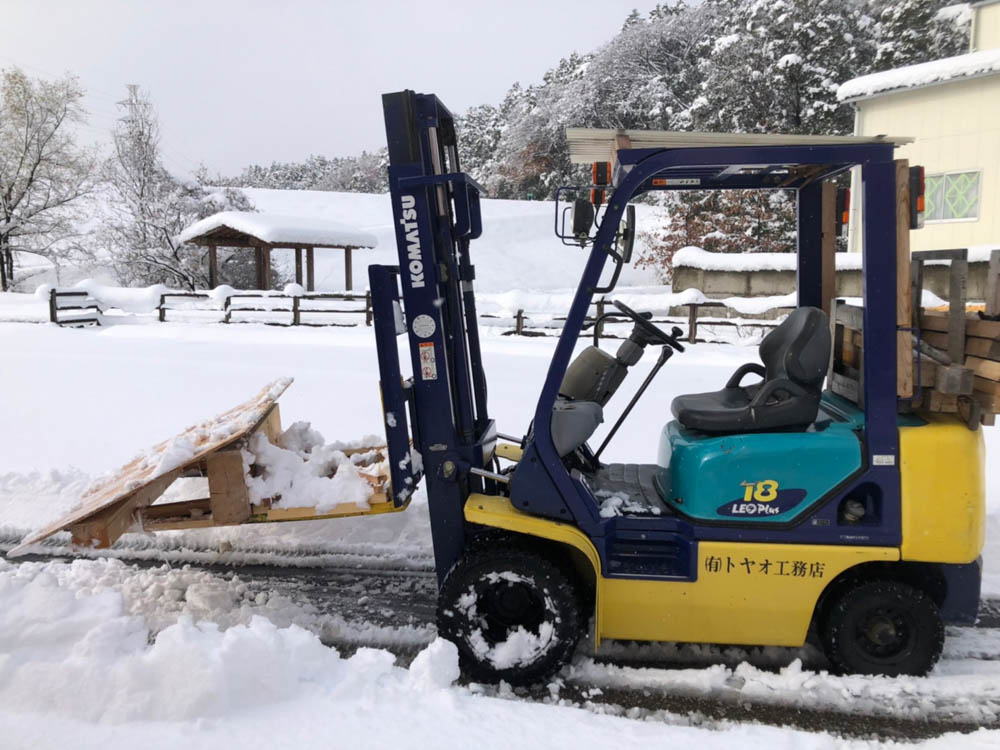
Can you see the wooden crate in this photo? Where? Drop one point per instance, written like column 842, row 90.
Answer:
column 951, row 366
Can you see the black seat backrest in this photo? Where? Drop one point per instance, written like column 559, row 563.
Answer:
column 799, row 348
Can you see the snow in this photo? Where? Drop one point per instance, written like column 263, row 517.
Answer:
column 217, row 662
column 80, row 669
column 517, row 249
column 281, row 228
column 984, row 62
column 959, row 14
column 695, row 257
column 302, row 471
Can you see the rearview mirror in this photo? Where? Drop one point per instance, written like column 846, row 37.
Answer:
column 583, row 218
column 628, row 233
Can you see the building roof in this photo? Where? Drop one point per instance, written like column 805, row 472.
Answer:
column 245, row 229
column 587, row 145
column 961, row 67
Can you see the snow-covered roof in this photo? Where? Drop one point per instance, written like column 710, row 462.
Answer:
column 961, row 67
column 280, row 230
column 587, row 145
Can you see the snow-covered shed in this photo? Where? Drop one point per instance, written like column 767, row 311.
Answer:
column 265, row 231
column 952, row 108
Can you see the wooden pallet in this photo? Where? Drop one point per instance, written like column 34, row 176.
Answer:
column 125, row 500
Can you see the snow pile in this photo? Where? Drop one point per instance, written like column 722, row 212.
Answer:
column 303, row 471
column 280, row 228
column 77, row 669
column 985, row 62
column 695, row 257
column 620, row 504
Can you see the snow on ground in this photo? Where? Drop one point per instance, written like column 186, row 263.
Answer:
column 174, row 655
column 81, row 669
column 517, row 249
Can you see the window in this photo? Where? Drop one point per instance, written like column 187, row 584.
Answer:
column 952, row 196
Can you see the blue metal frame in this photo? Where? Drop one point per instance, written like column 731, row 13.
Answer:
column 542, row 485
column 436, row 215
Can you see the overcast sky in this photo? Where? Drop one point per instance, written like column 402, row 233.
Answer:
column 242, row 81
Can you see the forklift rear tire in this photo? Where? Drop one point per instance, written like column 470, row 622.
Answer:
column 884, row 628
column 513, row 613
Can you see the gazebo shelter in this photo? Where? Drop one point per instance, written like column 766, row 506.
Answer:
column 264, row 232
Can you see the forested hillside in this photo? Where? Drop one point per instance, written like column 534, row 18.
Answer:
column 722, row 65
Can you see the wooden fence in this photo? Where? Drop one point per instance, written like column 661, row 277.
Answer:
column 523, row 322
column 73, row 308
column 301, row 310
column 78, row 308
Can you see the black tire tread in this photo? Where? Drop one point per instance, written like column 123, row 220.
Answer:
column 837, row 612
column 512, row 555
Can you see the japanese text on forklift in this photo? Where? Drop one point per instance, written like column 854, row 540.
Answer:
column 772, row 506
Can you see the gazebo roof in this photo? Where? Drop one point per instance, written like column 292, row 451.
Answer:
column 245, row 229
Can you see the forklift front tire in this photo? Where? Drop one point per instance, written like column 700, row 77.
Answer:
column 882, row 627
column 513, row 613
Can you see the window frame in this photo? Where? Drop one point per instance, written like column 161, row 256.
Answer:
column 979, row 196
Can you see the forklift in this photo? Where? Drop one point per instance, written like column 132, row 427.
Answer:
column 813, row 494
column 771, row 510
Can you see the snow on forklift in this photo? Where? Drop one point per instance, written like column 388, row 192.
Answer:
column 772, row 507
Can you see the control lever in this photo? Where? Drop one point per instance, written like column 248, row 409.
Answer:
column 665, row 353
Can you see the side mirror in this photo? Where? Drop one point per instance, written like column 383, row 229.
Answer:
column 628, row 233
column 583, row 218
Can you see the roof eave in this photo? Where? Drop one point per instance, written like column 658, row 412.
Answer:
column 905, row 89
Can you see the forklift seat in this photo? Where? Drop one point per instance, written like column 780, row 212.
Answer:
column 795, row 356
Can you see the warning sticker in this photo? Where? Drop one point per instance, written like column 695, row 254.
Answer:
column 428, row 362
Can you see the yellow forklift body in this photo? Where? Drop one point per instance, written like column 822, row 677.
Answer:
column 761, row 594
column 943, row 491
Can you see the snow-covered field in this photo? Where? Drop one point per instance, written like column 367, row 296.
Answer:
column 98, row 652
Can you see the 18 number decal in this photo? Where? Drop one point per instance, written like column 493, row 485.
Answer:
column 761, row 492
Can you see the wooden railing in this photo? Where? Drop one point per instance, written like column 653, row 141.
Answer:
column 74, row 308
column 301, row 308
column 523, row 326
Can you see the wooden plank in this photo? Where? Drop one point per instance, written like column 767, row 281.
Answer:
column 916, row 290
column 953, row 379
column 183, row 509
column 984, row 348
column 102, row 529
column 986, row 329
column 846, row 387
column 227, row 488
column 993, row 285
column 936, row 401
column 828, row 251
column 271, row 426
column 377, row 503
column 904, row 313
column 984, row 368
column 989, row 402
column 851, row 316
column 986, row 386
column 958, row 280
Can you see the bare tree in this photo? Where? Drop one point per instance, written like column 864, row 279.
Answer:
column 42, row 170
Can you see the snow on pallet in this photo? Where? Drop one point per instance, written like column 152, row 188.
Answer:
column 252, row 478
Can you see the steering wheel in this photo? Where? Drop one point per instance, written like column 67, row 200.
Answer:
column 654, row 333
